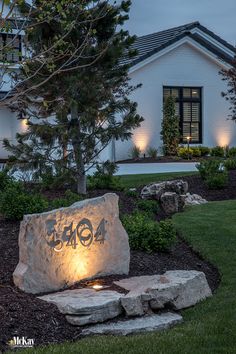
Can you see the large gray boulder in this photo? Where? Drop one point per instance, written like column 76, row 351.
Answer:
column 64, row 246
column 86, row 306
column 185, row 289
column 178, row 289
column 155, row 190
column 172, row 202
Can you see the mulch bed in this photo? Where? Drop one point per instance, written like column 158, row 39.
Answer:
column 196, row 185
column 162, row 159
column 24, row 315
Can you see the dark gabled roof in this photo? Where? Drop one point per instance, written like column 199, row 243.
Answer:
column 151, row 44
column 216, row 37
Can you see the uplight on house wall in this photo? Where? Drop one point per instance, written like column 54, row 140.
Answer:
column 223, row 138
column 142, row 141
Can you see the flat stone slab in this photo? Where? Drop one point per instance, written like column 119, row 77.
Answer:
column 84, row 306
column 178, row 288
column 63, row 246
column 138, row 283
column 137, row 325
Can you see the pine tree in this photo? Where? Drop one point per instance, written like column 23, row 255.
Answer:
column 170, row 127
column 84, row 97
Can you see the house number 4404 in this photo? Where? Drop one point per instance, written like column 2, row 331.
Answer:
column 82, row 234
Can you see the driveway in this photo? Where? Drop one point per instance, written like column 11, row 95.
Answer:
column 144, row 168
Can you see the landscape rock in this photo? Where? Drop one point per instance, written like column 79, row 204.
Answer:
column 133, row 305
column 63, row 246
column 188, row 288
column 85, row 306
column 137, row 325
column 194, row 199
column 172, row 195
column 172, row 203
column 155, row 190
column 178, row 289
column 139, row 284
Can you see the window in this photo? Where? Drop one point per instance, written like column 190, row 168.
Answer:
column 10, row 47
column 3, row 94
column 188, row 107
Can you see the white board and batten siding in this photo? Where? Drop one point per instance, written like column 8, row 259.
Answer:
column 9, row 124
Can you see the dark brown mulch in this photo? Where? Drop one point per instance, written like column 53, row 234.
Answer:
column 126, row 203
column 24, row 315
column 162, row 159
column 196, row 185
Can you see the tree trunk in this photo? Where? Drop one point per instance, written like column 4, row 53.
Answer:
column 81, row 184
column 76, row 142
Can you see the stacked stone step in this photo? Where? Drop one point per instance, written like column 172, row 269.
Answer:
column 146, row 296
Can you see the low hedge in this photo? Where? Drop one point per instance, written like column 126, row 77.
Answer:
column 146, row 234
column 15, row 202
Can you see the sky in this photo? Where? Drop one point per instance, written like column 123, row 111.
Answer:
column 148, row 16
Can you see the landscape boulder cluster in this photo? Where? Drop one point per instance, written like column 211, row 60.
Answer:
column 173, row 196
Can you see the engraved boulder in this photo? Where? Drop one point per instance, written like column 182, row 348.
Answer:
column 63, row 246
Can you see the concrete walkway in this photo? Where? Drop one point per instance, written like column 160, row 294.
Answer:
column 143, row 168
column 160, row 167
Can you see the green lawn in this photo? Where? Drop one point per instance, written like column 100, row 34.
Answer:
column 209, row 327
column 130, row 181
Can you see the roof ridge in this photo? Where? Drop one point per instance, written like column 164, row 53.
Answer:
column 185, row 27
column 217, row 37
column 150, row 44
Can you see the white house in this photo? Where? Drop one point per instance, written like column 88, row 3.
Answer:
column 184, row 62
column 9, row 124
